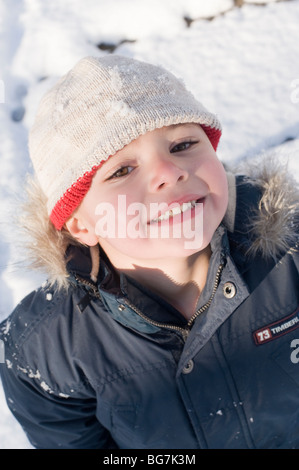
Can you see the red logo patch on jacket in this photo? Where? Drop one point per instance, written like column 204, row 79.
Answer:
column 276, row 329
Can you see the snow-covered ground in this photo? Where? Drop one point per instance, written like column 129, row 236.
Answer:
column 242, row 63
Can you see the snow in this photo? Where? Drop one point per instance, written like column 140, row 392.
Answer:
column 242, row 63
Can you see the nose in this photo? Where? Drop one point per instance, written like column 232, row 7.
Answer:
column 165, row 173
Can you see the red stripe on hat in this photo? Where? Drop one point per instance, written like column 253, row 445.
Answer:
column 71, row 199
column 213, row 135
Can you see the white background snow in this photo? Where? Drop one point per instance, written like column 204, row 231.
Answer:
column 243, row 65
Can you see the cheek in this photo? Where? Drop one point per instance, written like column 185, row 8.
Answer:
column 215, row 177
column 116, row 216
column 94, row 207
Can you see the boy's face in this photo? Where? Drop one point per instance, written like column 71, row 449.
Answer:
column 171, row 167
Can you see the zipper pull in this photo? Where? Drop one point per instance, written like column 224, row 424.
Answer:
column 185, row 334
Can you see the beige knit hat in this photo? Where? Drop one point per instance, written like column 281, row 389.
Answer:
column 97, row 108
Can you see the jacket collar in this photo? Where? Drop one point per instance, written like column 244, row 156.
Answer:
column 116, row 291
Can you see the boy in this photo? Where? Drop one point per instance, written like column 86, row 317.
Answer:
column 171, row 312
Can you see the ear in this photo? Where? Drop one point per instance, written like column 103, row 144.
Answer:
column 78, row 230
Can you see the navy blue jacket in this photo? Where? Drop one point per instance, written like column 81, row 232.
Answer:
column 110, row 364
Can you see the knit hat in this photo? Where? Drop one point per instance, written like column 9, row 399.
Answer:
column 97, row 108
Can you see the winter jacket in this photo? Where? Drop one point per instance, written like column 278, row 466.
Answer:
column 109, row 364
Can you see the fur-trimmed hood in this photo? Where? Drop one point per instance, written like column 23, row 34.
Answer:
column 273, row 228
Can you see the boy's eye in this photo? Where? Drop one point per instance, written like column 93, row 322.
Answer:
column 182, row 146
column 123, row 171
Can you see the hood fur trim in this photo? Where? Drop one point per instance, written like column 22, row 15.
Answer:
column 273, row 226
column 44, row 246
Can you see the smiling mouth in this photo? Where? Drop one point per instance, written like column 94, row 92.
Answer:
column 179, row 209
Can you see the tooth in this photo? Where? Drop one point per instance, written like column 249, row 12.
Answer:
column 185, row 206
column 176, row 210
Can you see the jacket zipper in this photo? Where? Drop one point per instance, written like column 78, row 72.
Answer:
column 184, row 331
column 94, row 288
